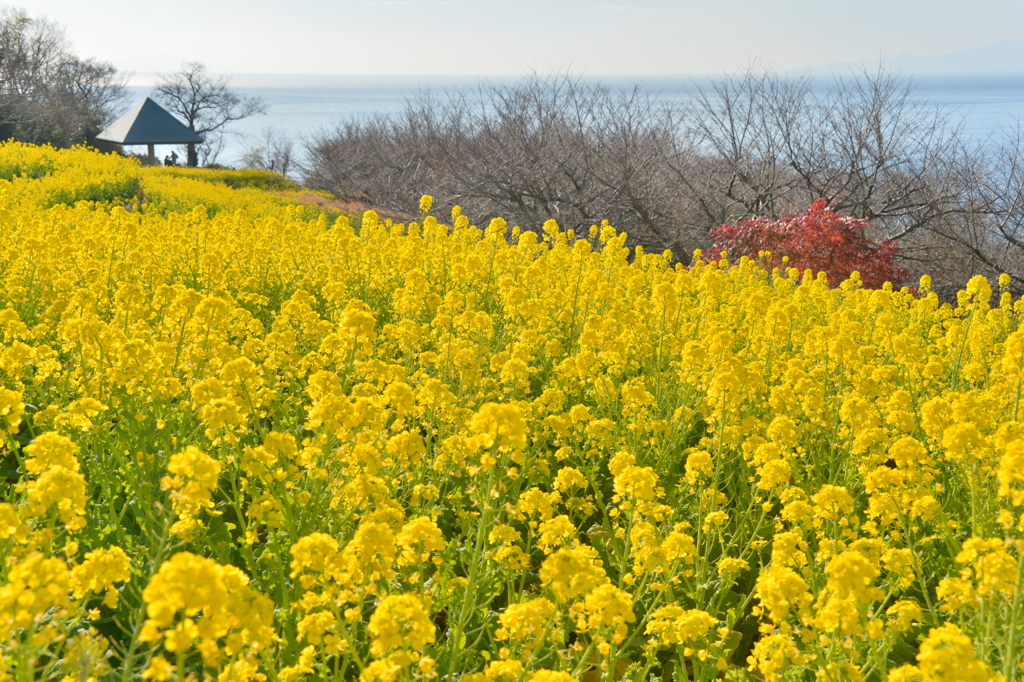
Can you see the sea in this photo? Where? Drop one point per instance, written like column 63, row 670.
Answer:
column 989, row 106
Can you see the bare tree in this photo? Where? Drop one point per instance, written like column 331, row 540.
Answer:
column 740, row 124
column 871, row 147
column 206, row 104
column 749, row 144
column 546, row 147
column 47, row 93
column 274, row 152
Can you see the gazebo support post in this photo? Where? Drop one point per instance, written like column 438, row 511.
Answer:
column 150, row 124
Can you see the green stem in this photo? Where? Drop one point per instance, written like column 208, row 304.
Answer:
column 1012, row 636
column 467, row 603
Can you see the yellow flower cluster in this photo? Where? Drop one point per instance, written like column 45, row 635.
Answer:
column 179, row 190
column 58, row 481
column 42, row 177
column 246, row 442
column 193, row 477
column 196, row 602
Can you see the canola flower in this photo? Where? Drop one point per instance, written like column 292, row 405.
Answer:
column 244, row 441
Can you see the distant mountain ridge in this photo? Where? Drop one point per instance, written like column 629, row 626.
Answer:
column 999, row 58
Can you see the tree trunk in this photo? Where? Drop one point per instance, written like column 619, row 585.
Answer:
column 193, row 155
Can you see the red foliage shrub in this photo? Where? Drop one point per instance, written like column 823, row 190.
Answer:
column 819, row 239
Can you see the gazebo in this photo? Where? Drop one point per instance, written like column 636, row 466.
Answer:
column 150, row 124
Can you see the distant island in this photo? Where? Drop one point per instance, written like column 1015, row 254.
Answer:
column 1006, row 57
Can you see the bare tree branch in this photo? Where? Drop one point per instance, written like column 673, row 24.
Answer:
column 206, row 104
column 750, row 144
column 47, row 93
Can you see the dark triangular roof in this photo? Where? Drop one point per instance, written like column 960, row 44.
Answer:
column 148, row 123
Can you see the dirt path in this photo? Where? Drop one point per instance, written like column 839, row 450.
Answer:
column 349, row 206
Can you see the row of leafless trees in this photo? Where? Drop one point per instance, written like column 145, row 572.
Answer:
column 756, row 143
column 48, row 94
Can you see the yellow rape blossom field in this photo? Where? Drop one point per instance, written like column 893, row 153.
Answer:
column 245, row 441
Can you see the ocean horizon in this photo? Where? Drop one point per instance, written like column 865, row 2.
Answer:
column 300, row 106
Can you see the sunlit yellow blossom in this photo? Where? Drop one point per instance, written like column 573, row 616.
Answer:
column 571, row 572
column 62, row 488
column 10, row 522
column 730, row 567
column 698, row 464
column 400, row 621
column 901, row 562
column 676, row 625
column 500, row 426
column 569, row 478
column 214, row 603
column 772, row 654
column 555, row 533
column 991, row 565
column 502, row 670
column 848, row 591
column 904, row 613
column 979, row 287
column 1011, row 473
column 774, row 473
column 193, row 477
column 789, row 549
column 159, row 669
column 832, row 502
column 418, row 538
column 313, row 552
column 782, row 591
column 962, row 439
column 607, row 607
column 11, row 410
column 907, row 452
column 525, row 622
column 51, row 450
column 384, row 670
column 947, row 654
column 715, row 519
column 99, row 571
column 464, row 449
column 80, row 413
column 536, row 502
column 34, row 585
column 543, row 675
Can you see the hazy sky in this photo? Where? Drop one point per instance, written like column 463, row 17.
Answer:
column 514, row 37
